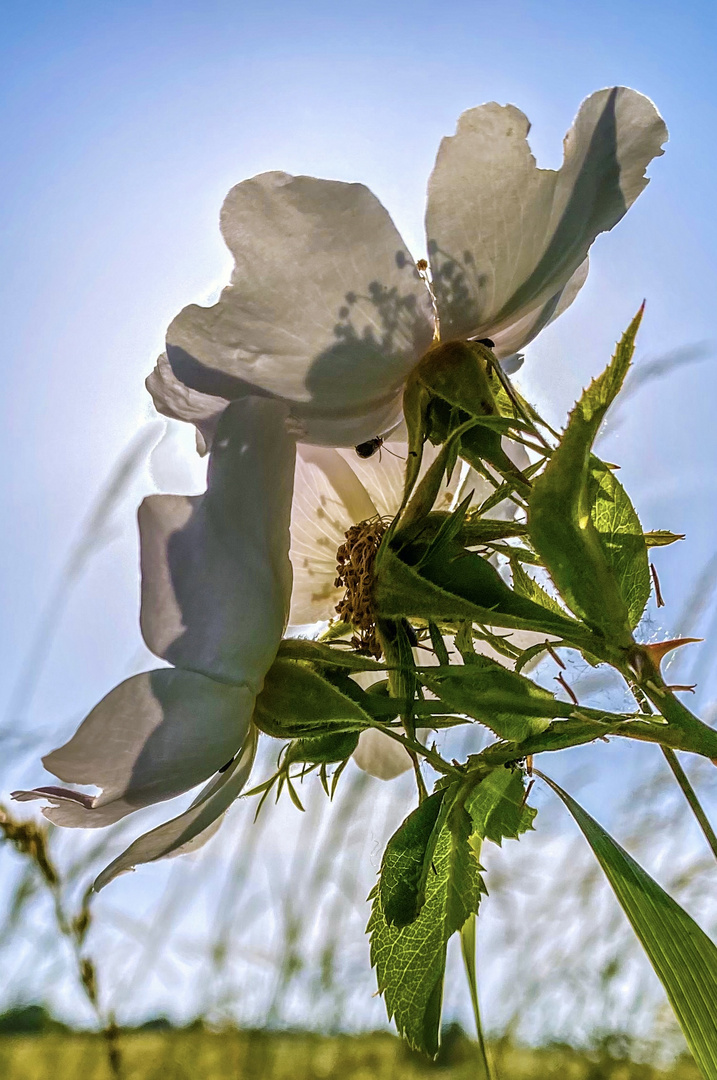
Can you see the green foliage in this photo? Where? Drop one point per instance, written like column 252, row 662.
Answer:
column 322, row 749
column 595, row 561
column 683, row 957
column 621, row 537
column 498, row 807
column 462, row 587
column 297, row 702
column 410, row 960
column 445, row 886
column 407, row 860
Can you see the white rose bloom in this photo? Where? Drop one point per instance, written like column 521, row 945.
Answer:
column 325, row 308
column 216, row 587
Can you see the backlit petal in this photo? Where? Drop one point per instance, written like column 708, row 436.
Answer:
column 179, row 402
column 334, row 490
column 216, row 576
column 325, row 308
column 154, row 736
column 190, row 830
column 504, row 236
column 380, row 755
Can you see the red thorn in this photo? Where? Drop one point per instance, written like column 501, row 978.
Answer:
column 659, row 649
column 656, row 583
column 570, row 692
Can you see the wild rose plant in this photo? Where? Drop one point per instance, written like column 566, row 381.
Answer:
column 374, row 472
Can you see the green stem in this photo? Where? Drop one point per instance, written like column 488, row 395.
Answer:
column 468, row 948
column 689, row 792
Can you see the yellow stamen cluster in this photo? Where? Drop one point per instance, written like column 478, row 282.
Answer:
column 354, row 573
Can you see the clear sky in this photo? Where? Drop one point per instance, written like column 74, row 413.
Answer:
column 123, row 125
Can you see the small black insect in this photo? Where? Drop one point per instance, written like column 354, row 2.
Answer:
column 369, row 448
column 485, row 341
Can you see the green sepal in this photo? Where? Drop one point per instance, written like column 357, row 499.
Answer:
column 416, row 400
column 559, row 516
column 457, row 372
column 510, row 705
column 323, row 749
column 463, row 586
column 297, row 702
column 320, row 653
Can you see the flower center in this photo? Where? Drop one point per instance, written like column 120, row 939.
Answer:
column 354, row 573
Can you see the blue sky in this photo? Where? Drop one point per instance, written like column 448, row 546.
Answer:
column 122, row 126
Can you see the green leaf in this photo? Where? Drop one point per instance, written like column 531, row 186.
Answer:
column 559, row 515
column 498, row 808
column 683, row 957
column 462, row 587
column 297, row 702
column 512, row 706
column 410, row 960
column 407, row 861
column 527, row 586
column 621, row 536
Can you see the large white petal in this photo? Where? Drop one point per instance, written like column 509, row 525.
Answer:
column 505, row 236
column 216, row 576
column 325, row 308
column 179, row 402
column 520, row 333
column 190, row 830
column 154, row 736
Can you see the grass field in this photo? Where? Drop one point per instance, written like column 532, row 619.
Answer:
column 200, row 1055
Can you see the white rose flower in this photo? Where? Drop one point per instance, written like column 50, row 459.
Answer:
column 326, row 309
column 216, row 587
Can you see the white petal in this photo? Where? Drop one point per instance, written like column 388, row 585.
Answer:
column 179, row 402
column 380, row 755
column 521, row 333
column 325, row 308
column 504, row 236
column 335, row 489
column 154, row 736
column 190, row 830
column 328, row 499
column 216, row 576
